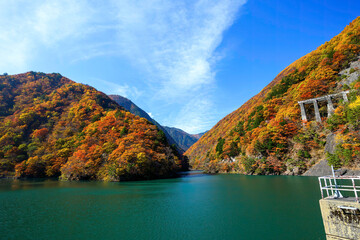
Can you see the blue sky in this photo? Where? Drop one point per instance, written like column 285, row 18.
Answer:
column 188, row 63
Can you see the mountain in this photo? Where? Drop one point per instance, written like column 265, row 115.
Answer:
column 53, row 127
column 180, row 138
column 199, row 135
column 132, row 107
column 267, row 136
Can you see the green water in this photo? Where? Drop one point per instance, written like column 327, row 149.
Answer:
column 192, row 207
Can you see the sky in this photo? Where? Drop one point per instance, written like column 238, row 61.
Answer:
column 188, row 63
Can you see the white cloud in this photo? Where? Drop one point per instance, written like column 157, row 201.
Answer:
column 196, row 115
column 127, row 91
column 175, row 41
column 54, row 21
column 172, row 42
column 29, row 26
column 124, row 90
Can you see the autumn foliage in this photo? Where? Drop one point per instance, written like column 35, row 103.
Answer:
column 260, row 137
column 53, row 127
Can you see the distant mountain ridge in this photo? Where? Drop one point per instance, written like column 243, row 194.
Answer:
column 132, row 107
column 180, row 138
column 199, row 135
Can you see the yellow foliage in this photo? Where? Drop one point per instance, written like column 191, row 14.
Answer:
column 272, row 118
column 355, row 104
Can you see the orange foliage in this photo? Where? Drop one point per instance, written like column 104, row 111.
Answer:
column 52, row 126
column 40, row 133
column 264, row 127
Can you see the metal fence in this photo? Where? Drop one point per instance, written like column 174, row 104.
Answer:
column 340, row 187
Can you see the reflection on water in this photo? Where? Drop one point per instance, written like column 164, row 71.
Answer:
column 195, row 206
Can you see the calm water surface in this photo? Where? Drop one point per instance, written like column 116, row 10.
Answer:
column 193, row 207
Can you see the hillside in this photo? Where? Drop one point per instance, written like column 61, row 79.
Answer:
column 132, row 107
column 199, row 135
column 53, row 127
column 266, row 134
column 180, row 138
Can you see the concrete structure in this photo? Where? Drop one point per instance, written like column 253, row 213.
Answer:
column 341, row 218
column 314, row 101
column 340, row 214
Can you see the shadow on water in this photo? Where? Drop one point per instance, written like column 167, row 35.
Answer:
column 192, row 173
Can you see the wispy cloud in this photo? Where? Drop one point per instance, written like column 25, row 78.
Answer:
column 173, row 43
column 29, row 26
column 124, row 90
column 196, row 115
column 128, row 91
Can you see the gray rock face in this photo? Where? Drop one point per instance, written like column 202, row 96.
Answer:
column 330, row 143
column 352, row 73
column 323, row 169
column 350, row 172
column 319, row 169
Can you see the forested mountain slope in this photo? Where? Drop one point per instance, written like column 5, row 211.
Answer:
column 53, row 127
column 266, row 135
column 180, row 138
column 199, row 135
column 133, row 108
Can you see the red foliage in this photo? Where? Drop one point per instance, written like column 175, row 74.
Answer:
column 52, row 126
column 270, row 120
column 40, row 133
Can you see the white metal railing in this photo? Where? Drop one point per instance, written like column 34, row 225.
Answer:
column 335, row 187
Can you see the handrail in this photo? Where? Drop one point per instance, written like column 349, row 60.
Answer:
column 332, row 189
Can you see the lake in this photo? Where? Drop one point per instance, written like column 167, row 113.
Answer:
column 196, row 206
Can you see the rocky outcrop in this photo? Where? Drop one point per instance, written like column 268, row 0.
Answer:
column 350, row 74
column 330, row 143
column 322, row 168
column 319, row 169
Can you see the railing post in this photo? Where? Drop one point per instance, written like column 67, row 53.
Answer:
column 354, row 186
column 317, row 112
column 331, row 187
column 330, row 106
column 303, row 112
column 321, row 190
column 327, row 190
column 334, row 191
